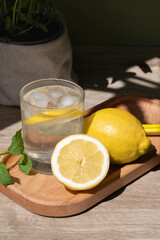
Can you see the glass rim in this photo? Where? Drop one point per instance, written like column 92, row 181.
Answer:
column 52, row 79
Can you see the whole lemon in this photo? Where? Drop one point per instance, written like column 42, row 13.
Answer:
column 120, row 132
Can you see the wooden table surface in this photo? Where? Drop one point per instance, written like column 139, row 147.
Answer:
column 133, row 212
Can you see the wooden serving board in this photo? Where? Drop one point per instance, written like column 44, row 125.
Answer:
column 43, row 194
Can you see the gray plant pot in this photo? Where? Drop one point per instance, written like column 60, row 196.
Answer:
column 21, row 64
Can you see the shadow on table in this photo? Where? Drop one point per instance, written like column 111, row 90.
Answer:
column 9, row 115
column 119, row 70
column 127, row 84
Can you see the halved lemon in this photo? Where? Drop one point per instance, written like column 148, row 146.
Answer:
column 80, row 162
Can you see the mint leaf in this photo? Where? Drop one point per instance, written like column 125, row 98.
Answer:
column 16, row 147
column 25, row 164
column 5, row 177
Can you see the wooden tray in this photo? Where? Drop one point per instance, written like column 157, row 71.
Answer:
column 43, row 194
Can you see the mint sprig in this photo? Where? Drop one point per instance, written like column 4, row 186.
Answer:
column 16, row 148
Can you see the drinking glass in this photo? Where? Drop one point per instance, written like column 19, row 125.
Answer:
column 51, row 109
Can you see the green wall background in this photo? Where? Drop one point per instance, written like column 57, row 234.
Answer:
column 112, row 22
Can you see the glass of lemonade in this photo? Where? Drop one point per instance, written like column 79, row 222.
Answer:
column 51, row 109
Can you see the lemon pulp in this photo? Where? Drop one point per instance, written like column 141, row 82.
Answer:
column 80, row 162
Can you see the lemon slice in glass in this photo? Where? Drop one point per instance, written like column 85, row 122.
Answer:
column 80, row 162
column 49, row 115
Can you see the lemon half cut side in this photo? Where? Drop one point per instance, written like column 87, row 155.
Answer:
column 80, row 162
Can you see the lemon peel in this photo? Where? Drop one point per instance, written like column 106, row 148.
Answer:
column 120, row 132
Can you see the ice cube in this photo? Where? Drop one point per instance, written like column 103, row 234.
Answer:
column 39, row 99
column 56, row 94
column 39, row 95
column 67, row 101
column 43, row 103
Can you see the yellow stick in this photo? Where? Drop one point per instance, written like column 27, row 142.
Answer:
column 151, row 128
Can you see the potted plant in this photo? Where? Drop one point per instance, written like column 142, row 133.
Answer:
column 34, row 44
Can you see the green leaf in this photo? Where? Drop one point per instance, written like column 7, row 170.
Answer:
column 16, row 147
column 5, row 177
column 23, row 17
column 25, row 164
column 25, row 3
column 8, row 23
